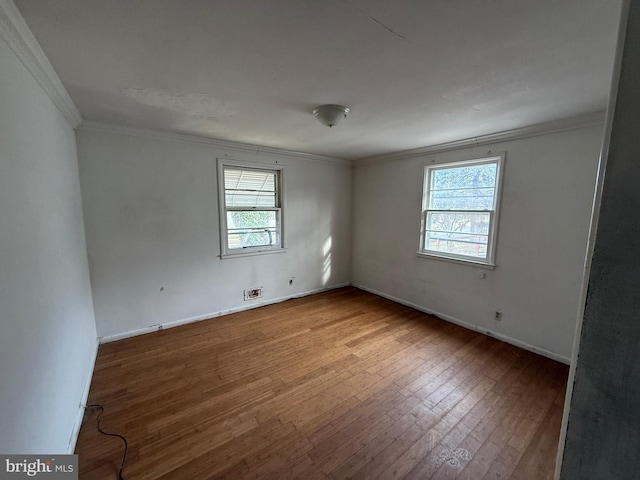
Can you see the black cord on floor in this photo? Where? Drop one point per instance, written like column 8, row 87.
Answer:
column 124, row 456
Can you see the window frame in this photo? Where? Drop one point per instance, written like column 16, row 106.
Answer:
column 494, row 215
column 225, row 251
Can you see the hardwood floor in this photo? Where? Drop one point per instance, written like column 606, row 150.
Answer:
column 337, row 385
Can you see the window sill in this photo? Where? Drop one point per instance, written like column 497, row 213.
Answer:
column 469, row 263
column 252, row 253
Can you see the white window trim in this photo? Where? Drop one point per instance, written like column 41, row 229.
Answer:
column 499, row 159
column 225, row 251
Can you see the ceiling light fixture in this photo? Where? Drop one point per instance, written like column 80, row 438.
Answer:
column 330, row 115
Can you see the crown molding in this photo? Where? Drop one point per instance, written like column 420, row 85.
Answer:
column 15, row 31
column 556, row 126
column 92, row 126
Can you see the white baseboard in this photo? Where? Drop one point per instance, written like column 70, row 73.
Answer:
column 207, row 316
column 83, row 401
column 470, row 326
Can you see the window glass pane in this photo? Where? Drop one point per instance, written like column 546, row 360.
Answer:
column 250, row 188
column 463, row 188
column 458, row 222
column 252, row 228
column 462, row 199
column 470, row 176
column 458, row 244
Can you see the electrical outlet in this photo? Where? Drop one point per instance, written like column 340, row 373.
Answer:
column 253, row 293
column 497, row 315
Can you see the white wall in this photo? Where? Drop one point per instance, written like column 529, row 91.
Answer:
column 47, row 329
column 151, row 209
column 548, row 188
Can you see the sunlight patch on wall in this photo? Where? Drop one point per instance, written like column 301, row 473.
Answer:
column 326, row 266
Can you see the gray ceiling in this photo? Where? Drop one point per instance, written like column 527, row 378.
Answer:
column 414, row 73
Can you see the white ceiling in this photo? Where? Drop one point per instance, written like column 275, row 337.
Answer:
column 414, row 73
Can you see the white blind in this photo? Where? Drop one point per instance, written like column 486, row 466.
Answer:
column 250, row 188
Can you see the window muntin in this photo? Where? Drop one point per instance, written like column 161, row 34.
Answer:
column 460, row 205
column 251, row 210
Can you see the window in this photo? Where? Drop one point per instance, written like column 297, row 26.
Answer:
column 460, row 210
column 250, row 209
